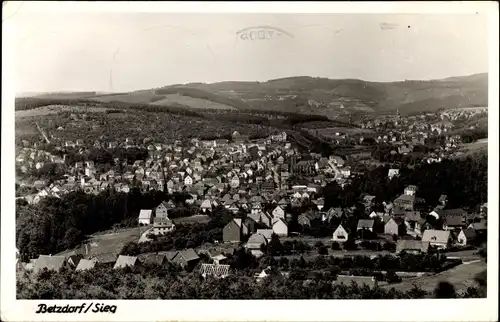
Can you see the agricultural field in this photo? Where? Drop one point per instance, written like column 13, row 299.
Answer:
column 192, row 102
column 55, row 109
column 142, row 97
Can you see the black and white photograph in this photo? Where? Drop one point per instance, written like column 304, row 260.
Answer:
column 295, row 155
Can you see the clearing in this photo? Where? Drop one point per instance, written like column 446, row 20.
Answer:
column 109, row 242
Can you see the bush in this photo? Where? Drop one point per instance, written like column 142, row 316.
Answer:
column 392, row 277
column 335, row 246
column 388, row 246
column 378, row 276
column 318, row 244
column 323, row 250
column 350, row 245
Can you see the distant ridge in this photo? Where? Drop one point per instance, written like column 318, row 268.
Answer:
column 333, row 98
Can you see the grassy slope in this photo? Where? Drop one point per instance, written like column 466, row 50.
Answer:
column 461, row 277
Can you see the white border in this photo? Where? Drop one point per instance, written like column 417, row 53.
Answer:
column 299, row 310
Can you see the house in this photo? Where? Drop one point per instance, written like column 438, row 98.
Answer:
column 311, row 219
column 443, row 199
column 188, row 181
column 50, row 262
column 278, row 212
column 161, row 211
column 162, row 225
column 480, row 227
column 406, row 201
column 412, row 246
column 206, row 205
column 268, row 271
column 234, row 231
column 126, row 261
column 86, row 264
column 376, row 214
column 254, row 244
column 105, row 259
column 365, row 224
column 340, row 235
column 155, row 259
column 411, row 190
column 214, row 270
column 393, row 173
column 395, row 226
column 186, row 258
column 361, row 281
column 74, row 259
column 218, row 259
column 251, row 224
column 437, row 238
column 280, row 227
column 267, row 233
column 440, row 213
column 453, row 222
column 145, row 217
column 466, row 237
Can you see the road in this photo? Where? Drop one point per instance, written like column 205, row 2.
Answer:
column 338, row 175
column 144, row 235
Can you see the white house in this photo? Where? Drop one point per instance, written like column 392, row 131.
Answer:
column 188, row 181
column 340, row 234
column 146, row 217
column 206, row 205
column 235, row 182
column 393, row 173
column 280, row 227
column 278, row 212
column 466, row 236
column 438, row 238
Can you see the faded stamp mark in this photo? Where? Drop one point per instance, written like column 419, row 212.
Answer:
column 262, row 33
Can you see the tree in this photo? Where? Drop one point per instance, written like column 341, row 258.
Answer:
column 274, row 247
column 444, row 290
column 392, row 277
column 323, row 250
column 335, row 246
column 130, row 249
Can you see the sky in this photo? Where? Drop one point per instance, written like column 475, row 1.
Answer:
column 115, row 52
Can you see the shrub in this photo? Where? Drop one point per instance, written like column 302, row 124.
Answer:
column 335, row 246
column 323, row 250
column 392, row 277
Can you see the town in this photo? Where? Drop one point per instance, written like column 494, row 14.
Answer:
column 267, row 197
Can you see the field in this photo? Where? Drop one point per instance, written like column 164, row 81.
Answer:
column 110, row 242
column 142, row 97
column 54, row 109
column 461, row 276
column 192, row 102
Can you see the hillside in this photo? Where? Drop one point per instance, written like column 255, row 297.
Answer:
column 334, row 98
